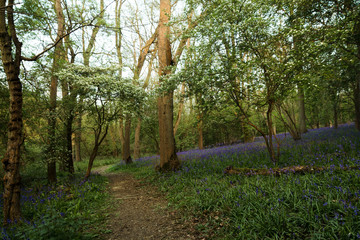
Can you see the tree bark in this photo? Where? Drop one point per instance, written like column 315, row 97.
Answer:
column 357, row 89
column 126, row 154
column 248, row 136
column 78, row 138
column 357, row 100
column 274, row 155
column 118, row 36
column 356, row 32
column 336, row 124
column 200, row 131
column 98, row 140
column 11, row 160
column 113, row 131
column 168, row 157
column 181, row 107
column 88, row 51
column 69, row 161
column 137, row 139
column 302, row 116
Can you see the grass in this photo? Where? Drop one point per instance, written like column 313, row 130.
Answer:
column 72, row 209
column 99, row 161
column 320, row 205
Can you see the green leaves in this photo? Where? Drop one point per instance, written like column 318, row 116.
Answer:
column 102, row 84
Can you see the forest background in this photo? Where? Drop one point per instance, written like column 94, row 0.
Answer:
column 110, row 78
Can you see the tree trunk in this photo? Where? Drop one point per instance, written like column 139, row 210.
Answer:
column 126, row 145
column 137, row 139
column 336, row 114
column 69, row 162
column 88, row 51
column 115, row 151
column 11, row 160
column 58, row 55
column 98, row 140
column 302, row 117
column 247, row 135
column 78, row 138
column 168, row 157
column 274, row 156
column 200, row 131
column 181, row 107
column 356, row 32
column 357, row 91
column 91, row 160
column 73, row 145
column 357, row 100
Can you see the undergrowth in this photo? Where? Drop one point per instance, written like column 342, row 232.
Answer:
column 68, row 210
column 319, row 205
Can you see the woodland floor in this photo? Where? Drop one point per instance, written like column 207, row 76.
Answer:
column 139, row 211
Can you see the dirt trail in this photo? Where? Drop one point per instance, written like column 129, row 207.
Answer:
column 139, row 212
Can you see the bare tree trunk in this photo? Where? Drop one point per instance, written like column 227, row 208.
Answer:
column 137, row 139
column 11, row 160
column 168, row 157
column 302, row 116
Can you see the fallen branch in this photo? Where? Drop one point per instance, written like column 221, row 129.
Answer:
column 286, row 170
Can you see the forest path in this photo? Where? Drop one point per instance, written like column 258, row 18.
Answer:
column 139, row 211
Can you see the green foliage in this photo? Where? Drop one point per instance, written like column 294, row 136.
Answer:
column 72, row 209
column 35, row 16
column 99, row 86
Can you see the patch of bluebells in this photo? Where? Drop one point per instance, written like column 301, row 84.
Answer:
column 290, row 206
column 44, row 202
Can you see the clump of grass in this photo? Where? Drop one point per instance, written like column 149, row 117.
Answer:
column 316, row 205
